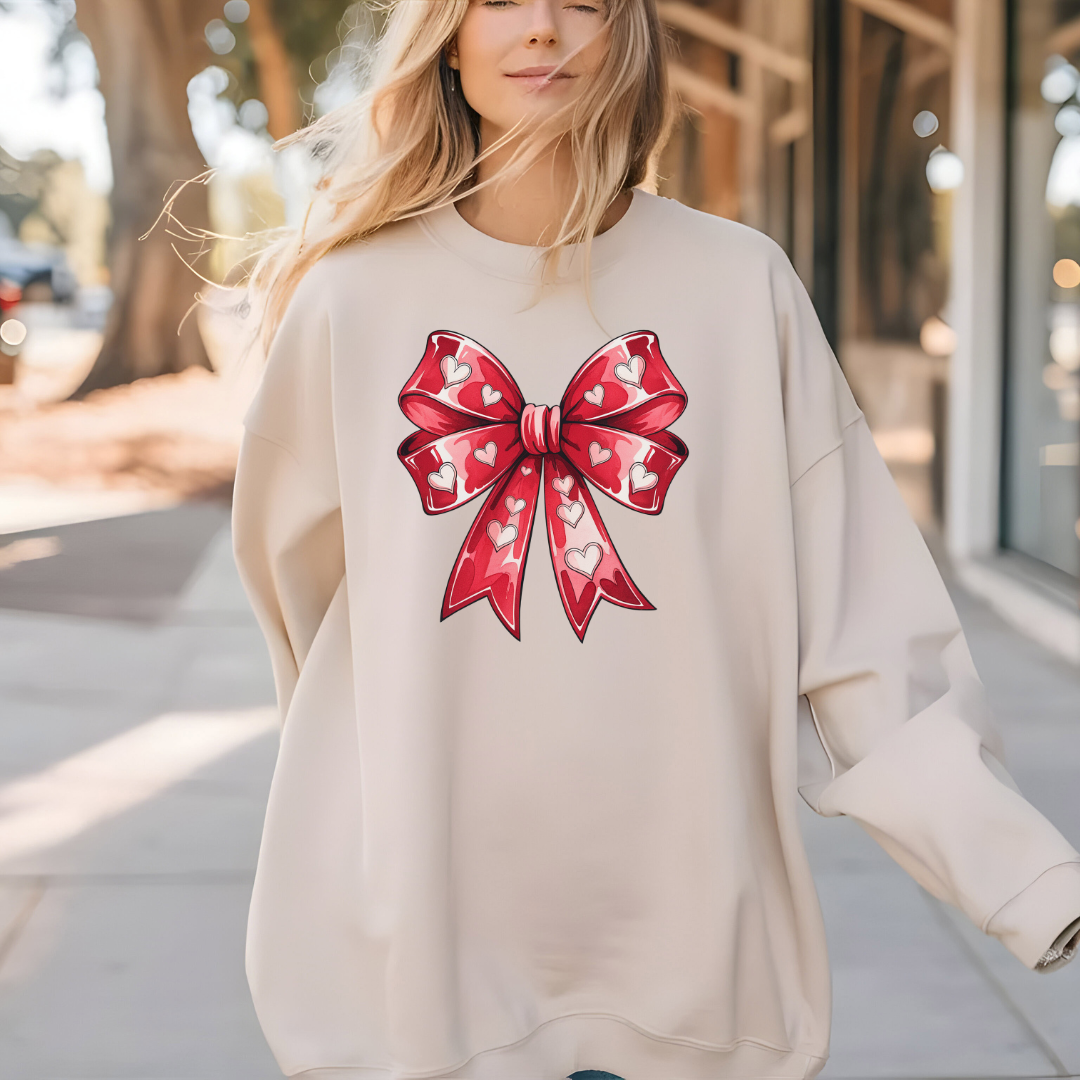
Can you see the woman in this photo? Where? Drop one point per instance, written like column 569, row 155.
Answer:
column 540, row 835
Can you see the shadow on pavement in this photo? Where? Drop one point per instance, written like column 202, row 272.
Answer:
column 131, row 568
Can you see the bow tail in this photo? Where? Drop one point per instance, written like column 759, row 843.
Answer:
column 491, row 562
column 587, row 566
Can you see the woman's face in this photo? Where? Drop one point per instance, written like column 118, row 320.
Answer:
column 506, row 49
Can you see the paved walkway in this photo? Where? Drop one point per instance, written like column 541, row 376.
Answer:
column 136, row 749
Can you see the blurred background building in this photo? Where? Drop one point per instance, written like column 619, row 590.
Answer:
column 919, row 160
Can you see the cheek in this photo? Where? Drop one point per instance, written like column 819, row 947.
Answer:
column 479, row 54
column 594, row 52
column 479, row 84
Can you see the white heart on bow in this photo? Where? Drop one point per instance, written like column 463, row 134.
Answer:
column 445, row 479
column 486, row 454
column 515, row 506
column 489, row 395
column 562, row 484
column 598, row 454
column 525, row 470
column 453, row 372
column 501, row 535
column 595, row 396
column 640, row 477
column 570, row 513
column 584, row 562
column 631, row 371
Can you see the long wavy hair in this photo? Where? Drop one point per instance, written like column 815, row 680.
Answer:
column 411, row 142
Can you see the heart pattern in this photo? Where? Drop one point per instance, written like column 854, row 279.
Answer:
column 582, row 562
column 632, row 371
column 477, row 442
column 453, row 372
column 501, row 535
column 570, row 513
column 486, row 454
column 640, row 477
column 598, row 454
column 445, row 479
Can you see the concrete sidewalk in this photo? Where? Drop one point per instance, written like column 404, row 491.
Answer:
column 136, row 749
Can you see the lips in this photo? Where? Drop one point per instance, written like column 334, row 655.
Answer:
column 546, row 73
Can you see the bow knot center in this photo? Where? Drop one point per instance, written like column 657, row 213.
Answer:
column 540, row 429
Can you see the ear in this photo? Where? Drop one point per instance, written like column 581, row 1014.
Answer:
column 452, row 54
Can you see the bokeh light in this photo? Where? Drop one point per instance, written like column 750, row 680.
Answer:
column 219, row 37
column 1067, row 121
column 925, row 123
column 1060, row 81
column 12, row 332
column 937, row 337
column 1065, row 346
column 253, row 114
column 237, row 11
column 944, row 170
column 1067, row 273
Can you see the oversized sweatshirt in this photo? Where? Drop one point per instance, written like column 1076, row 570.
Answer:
column 529, row 823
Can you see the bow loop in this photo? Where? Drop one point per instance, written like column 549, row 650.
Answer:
column 458, row 384
column 632, row 469
column 477, row 433
column 451, row 469
column 626, row 384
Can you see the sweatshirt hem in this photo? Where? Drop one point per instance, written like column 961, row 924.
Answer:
column 604, row 1042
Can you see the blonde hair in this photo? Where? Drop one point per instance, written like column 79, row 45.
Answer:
column 411, row 142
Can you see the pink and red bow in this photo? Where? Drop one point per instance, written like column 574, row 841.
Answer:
column 477, row 433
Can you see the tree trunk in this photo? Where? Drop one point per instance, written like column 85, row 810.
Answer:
column 277, row 83
column 147, row 51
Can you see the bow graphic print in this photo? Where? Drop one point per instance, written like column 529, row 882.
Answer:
column 477, row 433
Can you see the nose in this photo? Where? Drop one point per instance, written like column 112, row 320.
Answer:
column 542, row 29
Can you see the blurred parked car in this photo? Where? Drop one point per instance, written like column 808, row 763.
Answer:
column 42, row 272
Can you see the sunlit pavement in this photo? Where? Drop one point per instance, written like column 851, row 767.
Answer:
column 136, row 746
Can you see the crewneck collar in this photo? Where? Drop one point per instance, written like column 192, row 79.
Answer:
column 521, row 262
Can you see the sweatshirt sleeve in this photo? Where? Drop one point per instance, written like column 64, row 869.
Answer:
column 899, row 722
column 287, row 526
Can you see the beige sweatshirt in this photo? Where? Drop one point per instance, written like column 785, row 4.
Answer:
column 528, row 824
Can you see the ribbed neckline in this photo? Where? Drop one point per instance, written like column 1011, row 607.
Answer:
column 521, row 262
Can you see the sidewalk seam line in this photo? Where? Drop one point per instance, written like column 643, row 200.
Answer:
column 1059, row 1067
column 22, row 918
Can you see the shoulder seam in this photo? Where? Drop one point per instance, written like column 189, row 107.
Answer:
column 336, row 498
column 829, row 452
column 280, row 444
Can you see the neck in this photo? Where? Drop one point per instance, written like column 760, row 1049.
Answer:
column 528, row 208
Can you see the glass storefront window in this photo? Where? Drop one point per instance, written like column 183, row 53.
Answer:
column 898, row 181
column 1041, row 466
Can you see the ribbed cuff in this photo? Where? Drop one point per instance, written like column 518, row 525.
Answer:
column 1032, row 921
